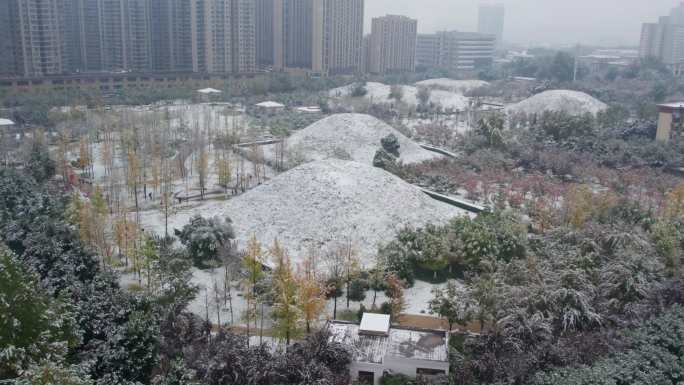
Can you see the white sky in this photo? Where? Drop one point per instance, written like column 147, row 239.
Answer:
column 599, row 22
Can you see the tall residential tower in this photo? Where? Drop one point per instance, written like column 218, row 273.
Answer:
column 392, row 46
column 337, row 36
column 491, row 21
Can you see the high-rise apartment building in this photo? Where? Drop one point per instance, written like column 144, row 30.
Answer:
column 173, row 37
column 32, row 33
column 45, row 37
column 292, row 37
column 8, row 39
column 243, row 34
column 392, row 44
column 455, row 51
column 337, row 36
column 491, row 21
column 264, row 32
column 125, row 34
column 664, row 40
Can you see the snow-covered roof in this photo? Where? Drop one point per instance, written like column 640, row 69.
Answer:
column 378, row 324
column 310, row 109
column 403, row 343
column 270, row 104
column 209, row 91
column 666, row 105
column 6, row 122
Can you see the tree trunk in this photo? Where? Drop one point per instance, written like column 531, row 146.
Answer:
column 347, row 290
column 261, row 330
column 335, row 308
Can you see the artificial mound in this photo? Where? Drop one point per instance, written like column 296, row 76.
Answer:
column 322, row 204
column 348, row 136
column 570, row 102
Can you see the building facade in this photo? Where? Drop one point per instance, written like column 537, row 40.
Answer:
column 32, row 34
column 664, row 40
column 491, row 21
column 264, row 20
column 52, row 37
column 337, row 36
column 293, row 34
column 392, row 44
column 378, row 348
column 455, row 51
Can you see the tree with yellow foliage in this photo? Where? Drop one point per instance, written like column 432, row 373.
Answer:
column 62, row 154
column 311, row 297
column 85, row 159
column 287, row 314
column 223, row 167
column 578, row 205
column 253, row 265
column 674, row 202
column 202, row 165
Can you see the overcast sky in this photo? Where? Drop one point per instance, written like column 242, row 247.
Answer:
column 597, row 22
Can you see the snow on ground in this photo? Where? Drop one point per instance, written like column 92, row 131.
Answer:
column 460, row 86
column 347, row 136
column 322, row 204
column 570, row 102
column 212, row 293
column 379, row 93
column 456, row 123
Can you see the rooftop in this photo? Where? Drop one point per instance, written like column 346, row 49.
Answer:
column 270, row 104
column 377, row 324
column 402, row 343
column 672, row 105
column 209, row 91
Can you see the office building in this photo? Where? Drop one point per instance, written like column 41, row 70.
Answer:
column 392, row 44
column 455, row 51
column 337, row 36
column 491, row 21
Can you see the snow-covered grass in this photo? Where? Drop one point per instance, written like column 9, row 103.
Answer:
column 322, row 204
column 459, row 86
column 379, row 93
column 570, row 102
column 348, row 136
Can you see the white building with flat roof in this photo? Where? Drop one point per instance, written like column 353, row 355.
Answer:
column 378, row 348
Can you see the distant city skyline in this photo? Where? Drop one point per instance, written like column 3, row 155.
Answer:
column 595, row 22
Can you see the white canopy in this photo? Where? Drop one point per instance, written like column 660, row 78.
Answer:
column 6, row 122
column 270, row 104
column 209, row 91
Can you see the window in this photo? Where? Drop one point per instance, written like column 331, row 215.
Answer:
column 366, row 378
column 429, row 372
